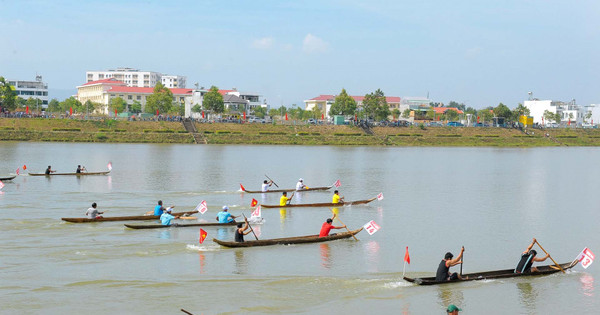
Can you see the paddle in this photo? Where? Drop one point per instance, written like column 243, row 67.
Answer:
column 250, row 226
column 338, row 218
column 462, row 261
column 271, row 181
column 290, row 200
column 557, row 264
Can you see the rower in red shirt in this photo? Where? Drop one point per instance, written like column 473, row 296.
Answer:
column 327, row 226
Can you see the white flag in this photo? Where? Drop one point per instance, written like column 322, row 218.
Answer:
column 371, row 227
column 256, row 212
column 201, row 207
column 586, row 257
column 380, row 196
column 109, row 166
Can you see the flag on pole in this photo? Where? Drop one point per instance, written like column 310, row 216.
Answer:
column 18, row 170
column 27, row 109
column 157, row 112
column 70, row 111
column 407, row 256
column 202, row 114
column 201, row 207
column 286, row 116
column 253, row 203
column 337, row 183
column 115, row 113
column 109, row 166
column 380, row 196
column 586, row 257
column 24, row 167
column 256, row 212
column 1, row 184
column 242, row 187
column 322, row 116
column 203, row 235
column 244, row 115
column 371, row 227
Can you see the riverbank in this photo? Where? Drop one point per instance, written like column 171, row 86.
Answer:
column 120, row 131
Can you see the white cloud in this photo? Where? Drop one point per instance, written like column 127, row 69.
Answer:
column 263, row 43
column 314, row 44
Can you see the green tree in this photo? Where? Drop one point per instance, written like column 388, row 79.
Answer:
column 316, row 112
column 502, row 111
column 196, row 109
column 21, row 102
column 119, row 104
column 549, row 116
column 343, row 105
column 406, row 113
column 396, row 113
column 54, row 106
column 557, row 118
column 272, row 112
column 282, row 110
column 375, row 105
column 71, row 103
column 213, row 100
column 454, row 104
column 89, row 107
column 136, row 107
column 471, row 110
column 451, row 115
column 8, row 96
column 485, row 114
column 520, row 110
column 587, row 116
column 33, row 103
column 161, row 99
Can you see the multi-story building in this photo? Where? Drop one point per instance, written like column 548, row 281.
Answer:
column 568, row 111
column 324, row 103
column 103, row 91
column 37, row 90
column 137, row 78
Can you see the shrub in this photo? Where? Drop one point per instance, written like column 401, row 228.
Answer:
column 566, row 136
column 422, row 126
column 181, row 131
column 271, row 133
column 208, row 131
column 160, row 130
column 347, row 134
column 222, row 132
column 487, row 136
column 66, row 129
column 104, row 130
column 302, row 133
column 119, row 130
column 101, row 136
column 449, row 136
column 7, row 128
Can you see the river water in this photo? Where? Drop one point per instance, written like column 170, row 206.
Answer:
column 492, row 201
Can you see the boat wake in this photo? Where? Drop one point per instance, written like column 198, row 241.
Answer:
column 203, row 248
column 397, row 284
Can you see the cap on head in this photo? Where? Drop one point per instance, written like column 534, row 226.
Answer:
column 169, row 209
column 448, row 255
column 225, row 208
column 329, row 220
column 452, row 308
column 301, row 180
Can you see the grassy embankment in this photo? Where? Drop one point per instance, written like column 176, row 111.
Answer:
column 68, row 130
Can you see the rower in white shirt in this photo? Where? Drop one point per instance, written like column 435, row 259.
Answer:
column 300, row 185
column 266, row 184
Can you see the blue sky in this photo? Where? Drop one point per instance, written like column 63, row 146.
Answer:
column 477, row 52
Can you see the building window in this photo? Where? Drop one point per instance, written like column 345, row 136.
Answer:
column 129, row 97
column 138, row 97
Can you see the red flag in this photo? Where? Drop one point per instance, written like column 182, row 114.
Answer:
column 70, row 110
column 244, row 115
column 18, row 170
column 256, row 212
column 157, row 112
column 203, row 235
column 407, row 256
column 322, row 116
column 253, row 203
column 202, row 114
column 286, row 116
column 27, row 109
column 477, row 119
column 242, row 187
column 115, row 113
column 24, row 167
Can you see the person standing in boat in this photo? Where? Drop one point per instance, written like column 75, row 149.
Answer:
column 224, row 216
column 443, row 271
column 266, row 185
column 166, row 217
column 93, row 213
column 159, row 209
column 300, row 185
column 336, row 197
column 241, row 231
column 328, row 226
column 528, row 258
column 49, row 170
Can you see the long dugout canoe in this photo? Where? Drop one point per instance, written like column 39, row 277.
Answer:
column 497, row 274
column 282, row 190
column 70, row 174
column 176, row 225
column 288, row 240
column 8, row 178
column 322, row 204
column 126, row 218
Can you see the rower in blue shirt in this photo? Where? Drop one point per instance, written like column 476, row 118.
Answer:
column 159, row 209
column 166, row 217
column 224, row 216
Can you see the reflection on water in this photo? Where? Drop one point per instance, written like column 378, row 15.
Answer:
column 372, row 248
column 450, row 294
column 587, row 284
column 528, row 295
column 241, row 265
column 223, row 234
column 256, row 229
column 202, row 260
column 165, row 234
column 325, row 258
column 282, row 215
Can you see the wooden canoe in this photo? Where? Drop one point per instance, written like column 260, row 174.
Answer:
column 288, row 240
column 71, row 174
column 282, row 190
column 176, row 225
column 498, row 274
column 8, row 178
column 322, row 204
column 127, row 218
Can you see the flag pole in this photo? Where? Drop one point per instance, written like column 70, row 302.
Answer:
column 403, row 269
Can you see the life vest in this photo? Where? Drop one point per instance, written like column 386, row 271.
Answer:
column 525, row 263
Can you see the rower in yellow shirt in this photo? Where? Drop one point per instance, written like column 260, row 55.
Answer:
column 284, row 200
column 336, row 197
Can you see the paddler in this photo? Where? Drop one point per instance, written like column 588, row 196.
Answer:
column 159, row 209
column 266, row 184
column 93, row 213
column 80, row 169
column 224, row 216
column 284, row 200
column 443, row 271
column 49, row 170
column 240, row 231
column 166, row 217
column 528, row 258
column 328, row 226
column 300, row 185
column 336, row 197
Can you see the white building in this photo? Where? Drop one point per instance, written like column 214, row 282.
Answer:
column 137, row 78
column 568, row 111
column 252, row 100
column 37, row 90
